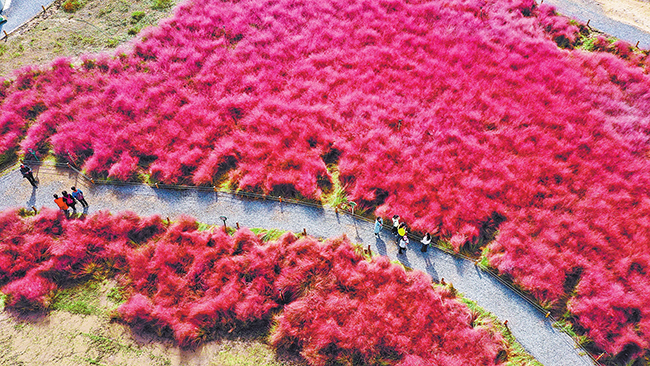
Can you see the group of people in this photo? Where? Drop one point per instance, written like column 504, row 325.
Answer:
column 69, row 200
column 400, row 230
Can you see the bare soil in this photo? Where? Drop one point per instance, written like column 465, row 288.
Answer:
column 63, row 338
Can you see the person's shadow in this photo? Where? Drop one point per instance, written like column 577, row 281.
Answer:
column 381, row 246
column 431, row 270
column 32, row 198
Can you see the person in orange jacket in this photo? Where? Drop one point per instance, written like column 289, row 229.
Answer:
column 61, row 203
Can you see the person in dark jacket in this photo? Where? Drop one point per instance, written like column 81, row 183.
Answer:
column 69, row 200
column 27, row 174
column 79, row 196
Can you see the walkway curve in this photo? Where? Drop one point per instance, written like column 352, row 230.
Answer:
column 547, row 344
column 591, row 11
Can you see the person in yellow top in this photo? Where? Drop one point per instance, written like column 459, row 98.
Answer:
column 401, row 231
column 61, row 203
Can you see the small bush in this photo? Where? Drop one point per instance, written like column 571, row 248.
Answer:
column 71, row 6
column 162, row 4
column 136, row 16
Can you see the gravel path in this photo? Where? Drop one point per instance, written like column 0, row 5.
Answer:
column 530, row 327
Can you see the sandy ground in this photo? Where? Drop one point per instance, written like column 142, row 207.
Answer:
column 632, row 12
column 61, row 338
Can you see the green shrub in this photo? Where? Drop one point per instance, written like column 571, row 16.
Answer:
column 161, row 4
column 112, row 42
column 136, row 16
column 133, row 31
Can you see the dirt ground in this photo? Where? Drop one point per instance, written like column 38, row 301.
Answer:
column 632, row 12
column 62, row 339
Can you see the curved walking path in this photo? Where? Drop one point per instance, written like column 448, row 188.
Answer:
column 547, row 344
column 602, row 20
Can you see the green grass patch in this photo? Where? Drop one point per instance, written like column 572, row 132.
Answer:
column 204, row 227
column 444, row 244
column 85, row 298
column 82, row 299
column 337, row 197
column 25, row 212
column 267, row 235
column 3, row 301
column 587, row 43
column 483, row 259
column 565, row 326
column 80, row 27
column 133, row 31
column 117, row 295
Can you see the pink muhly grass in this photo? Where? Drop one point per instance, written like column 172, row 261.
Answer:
column 137, row 308
column 31, row 291
column 124, row 168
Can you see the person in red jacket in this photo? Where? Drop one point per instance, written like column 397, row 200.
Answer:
column 61, row 203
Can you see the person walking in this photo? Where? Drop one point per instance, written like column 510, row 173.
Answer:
column 403, row 244
column 79, row 196
column 401, row 230
column 379, row 222
column 61, row 203
column 69, row 200
column 395, row 224
column 426, row 240
column 27, row 174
